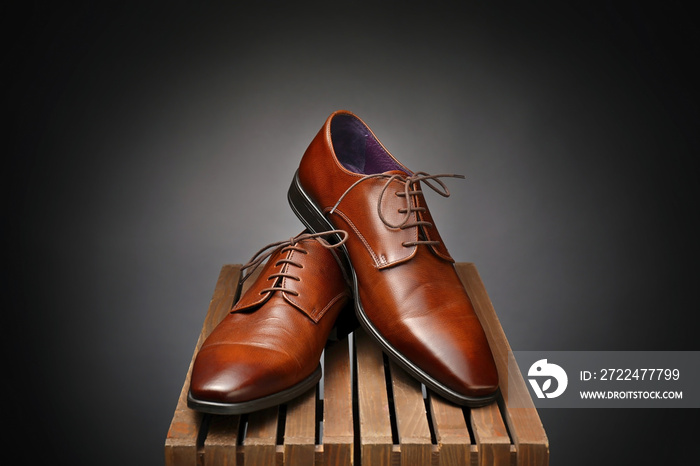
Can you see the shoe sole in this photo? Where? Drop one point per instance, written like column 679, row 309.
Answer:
column 312, row 217
column 216, row 407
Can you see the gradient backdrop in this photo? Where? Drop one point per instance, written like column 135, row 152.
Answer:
column 149, row 145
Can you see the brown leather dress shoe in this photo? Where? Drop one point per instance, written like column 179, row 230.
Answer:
column 408, row 296
column 266, row 351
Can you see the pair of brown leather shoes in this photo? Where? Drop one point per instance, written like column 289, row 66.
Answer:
column 355, row 198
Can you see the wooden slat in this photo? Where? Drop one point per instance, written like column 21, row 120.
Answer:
column 220, row 444
column 451, row 431
column 491, row 435
column 411, row 418
column 524, row 423
column 300, row 430
column 338, row 433
column 181, row 440
column 375, row 425
column 261, row 437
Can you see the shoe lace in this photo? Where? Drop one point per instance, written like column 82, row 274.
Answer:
column 284, row 246
column 409, row 190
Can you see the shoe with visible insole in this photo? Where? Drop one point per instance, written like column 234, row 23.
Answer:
column 408, row 296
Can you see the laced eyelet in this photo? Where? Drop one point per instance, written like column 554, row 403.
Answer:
column 284, row 246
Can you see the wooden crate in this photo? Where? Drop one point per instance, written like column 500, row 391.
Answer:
column 366, row 411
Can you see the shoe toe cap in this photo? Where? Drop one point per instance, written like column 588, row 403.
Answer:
column 456, row 356
column 236, row 373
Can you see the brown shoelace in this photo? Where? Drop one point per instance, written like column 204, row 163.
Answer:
column 287, row 245
column 408, row 191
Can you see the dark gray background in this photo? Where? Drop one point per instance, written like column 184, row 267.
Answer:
column 147, row 146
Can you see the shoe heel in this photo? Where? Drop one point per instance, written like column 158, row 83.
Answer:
column 314, row 220
column 304, row 208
